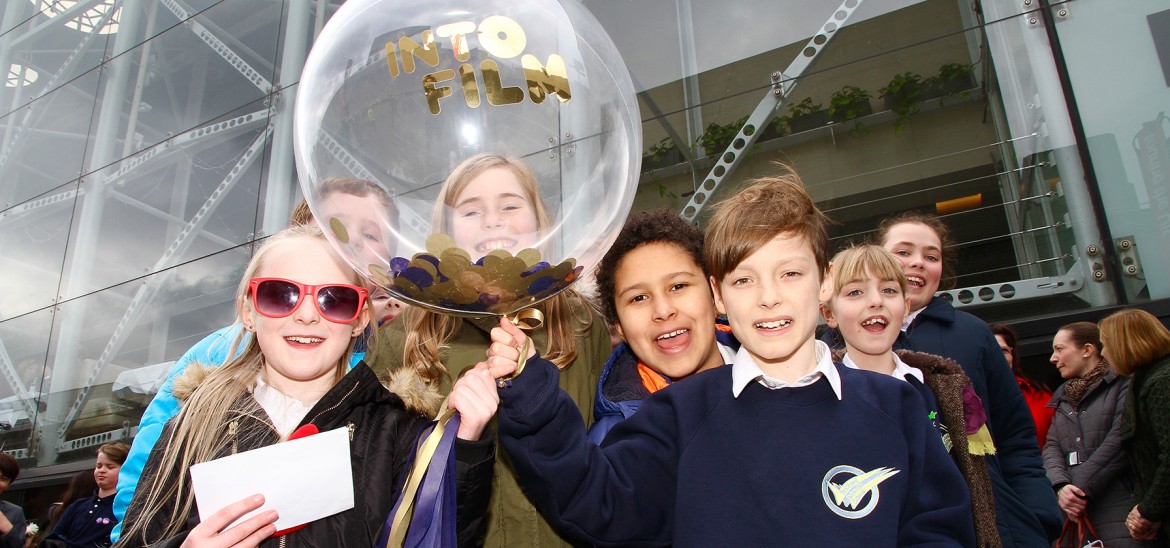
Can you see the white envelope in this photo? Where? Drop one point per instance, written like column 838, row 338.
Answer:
column 303, row 480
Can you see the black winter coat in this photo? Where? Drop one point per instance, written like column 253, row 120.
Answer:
column 383, row 431
column 1092, row 432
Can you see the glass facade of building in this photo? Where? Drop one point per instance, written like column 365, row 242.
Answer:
column 145, row 145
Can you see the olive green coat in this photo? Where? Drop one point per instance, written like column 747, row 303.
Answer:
column 512, row 520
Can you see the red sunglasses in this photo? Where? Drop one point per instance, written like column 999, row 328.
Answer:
column 278, row 297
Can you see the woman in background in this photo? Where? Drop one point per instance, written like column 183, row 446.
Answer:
column 1138, row 345
column 1035, row 393
column 1083, row 457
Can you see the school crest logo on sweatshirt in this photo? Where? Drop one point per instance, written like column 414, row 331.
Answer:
column 851, row 493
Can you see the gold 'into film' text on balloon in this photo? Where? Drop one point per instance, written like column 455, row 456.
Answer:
column 499, row 36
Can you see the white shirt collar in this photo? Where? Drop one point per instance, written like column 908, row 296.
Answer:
column 286, row 412
column 900, row 368
column 910, row 318
column 744, row 369
column 727, row 352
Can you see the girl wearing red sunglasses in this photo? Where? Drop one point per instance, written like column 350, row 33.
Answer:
column 302, row 303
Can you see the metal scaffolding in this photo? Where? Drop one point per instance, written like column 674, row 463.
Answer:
column 121, row 93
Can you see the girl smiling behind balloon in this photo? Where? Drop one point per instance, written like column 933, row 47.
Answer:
column 301, row 301
column 866, row 306
column 491, row 202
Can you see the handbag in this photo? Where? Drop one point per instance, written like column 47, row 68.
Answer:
column 1079, row 534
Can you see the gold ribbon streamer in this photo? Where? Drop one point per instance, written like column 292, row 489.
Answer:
column 527, row 320
column 422, row 460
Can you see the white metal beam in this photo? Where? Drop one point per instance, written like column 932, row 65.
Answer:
column 783, row 84
column 219, row 47
column 152, row 285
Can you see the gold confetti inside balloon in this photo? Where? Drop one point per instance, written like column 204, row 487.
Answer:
column 469, row 157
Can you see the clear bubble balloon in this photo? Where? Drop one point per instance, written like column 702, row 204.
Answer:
column 470, row 157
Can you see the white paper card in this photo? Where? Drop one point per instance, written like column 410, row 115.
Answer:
column 303, row 480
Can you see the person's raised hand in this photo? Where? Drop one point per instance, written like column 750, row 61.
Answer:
column 504, row 352
column 474, row 396
column 215, row 533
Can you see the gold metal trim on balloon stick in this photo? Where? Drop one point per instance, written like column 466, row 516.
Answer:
column 527, row 320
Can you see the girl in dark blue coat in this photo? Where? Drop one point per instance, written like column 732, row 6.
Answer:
column 1025, row 506
column 1026, row 509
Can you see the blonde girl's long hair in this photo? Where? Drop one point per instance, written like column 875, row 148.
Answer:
column 201, row 429
column 566, row 314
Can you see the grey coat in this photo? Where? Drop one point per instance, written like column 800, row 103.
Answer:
column 1102, row 472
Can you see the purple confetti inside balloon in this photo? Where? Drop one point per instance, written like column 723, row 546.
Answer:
column 487, row 299
column 398, row 264
column 430, row 259
column 418, row 276
column 541, row 285
column 535, row 268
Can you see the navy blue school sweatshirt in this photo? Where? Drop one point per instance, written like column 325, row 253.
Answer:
column 697, row 466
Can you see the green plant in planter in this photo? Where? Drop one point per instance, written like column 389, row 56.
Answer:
column 717, row 136
column 806, row 106
column 662, row 151
column 664, row 192
column 849, row 103
column 903, row 94
column 779, row 125
column 805, row 115
column 954, row 79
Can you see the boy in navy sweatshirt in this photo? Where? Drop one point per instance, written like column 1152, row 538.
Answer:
column 782, row 448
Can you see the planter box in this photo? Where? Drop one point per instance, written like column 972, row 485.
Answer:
column 891, row 103
column 716, row 149
column 857, row 109
column 770, row 131
column 948, row 88
column 665, row 159
column 809, row 121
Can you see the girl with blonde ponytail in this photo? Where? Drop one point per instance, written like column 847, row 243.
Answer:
column 306, row 308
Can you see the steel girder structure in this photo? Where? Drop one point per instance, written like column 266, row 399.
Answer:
column 1085, row 278
column 100, row 185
